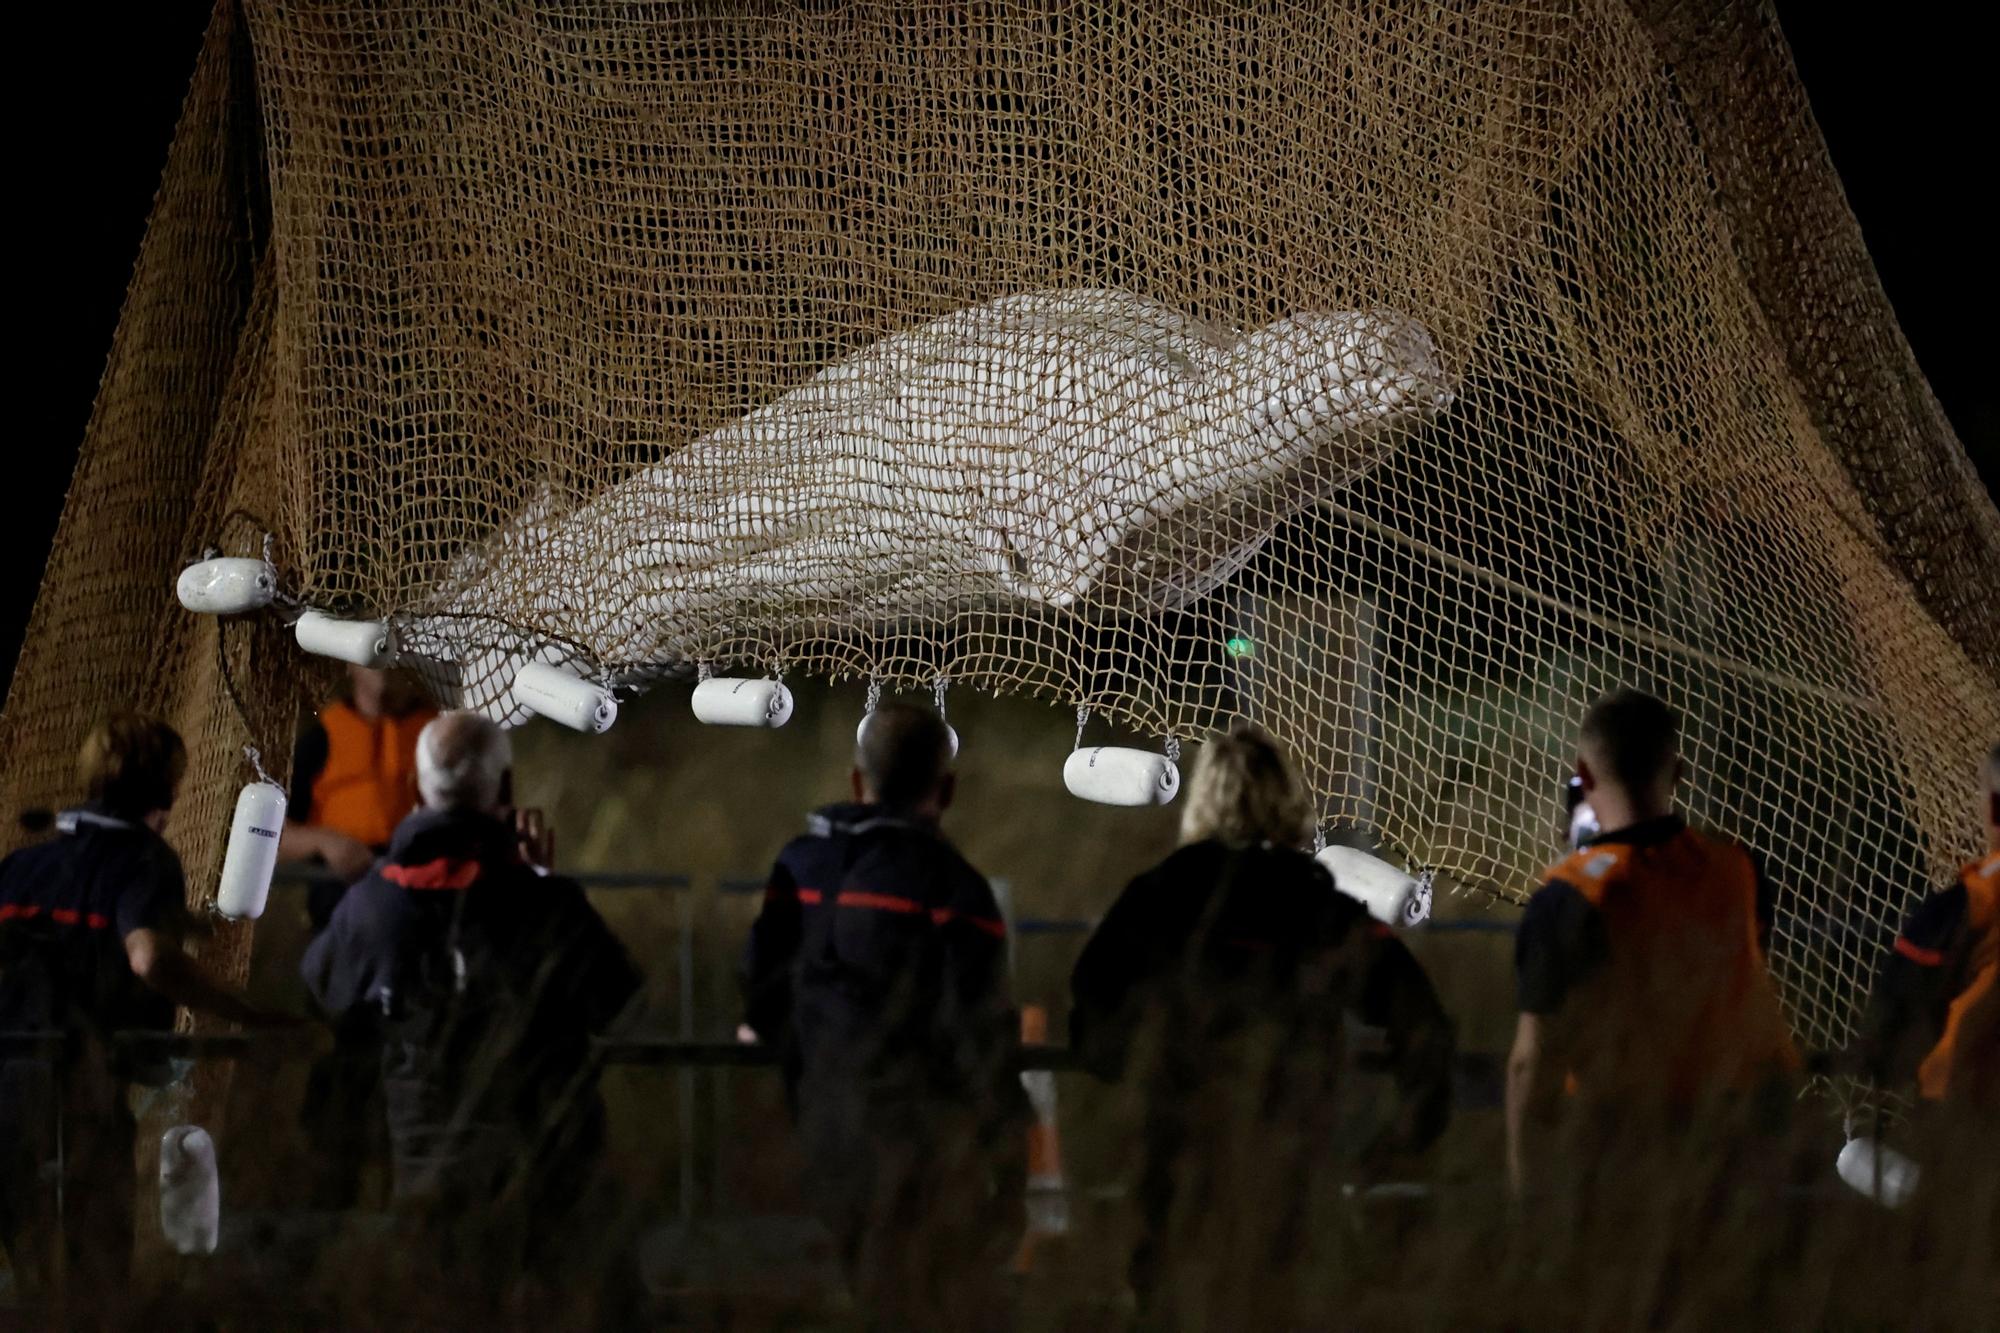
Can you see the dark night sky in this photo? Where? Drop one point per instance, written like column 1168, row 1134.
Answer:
column 1904, row 106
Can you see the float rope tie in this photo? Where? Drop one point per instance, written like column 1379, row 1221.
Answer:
column 257, row 765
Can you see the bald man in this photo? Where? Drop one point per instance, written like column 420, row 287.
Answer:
column 878, row 967
column 490, row 977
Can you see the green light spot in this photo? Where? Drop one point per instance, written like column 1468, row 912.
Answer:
column 1239, row 646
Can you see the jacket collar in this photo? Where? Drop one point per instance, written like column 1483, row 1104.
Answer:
column 92, row 815
column 850, row 818
column 425, row 832
column 1645, row 833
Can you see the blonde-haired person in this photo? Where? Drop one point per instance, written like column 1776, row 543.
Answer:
column 1220, row 982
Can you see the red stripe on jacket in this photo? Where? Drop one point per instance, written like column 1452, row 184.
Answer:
column 445, row 872
column 62, row 916
column 1917, row 953
column 889, row 902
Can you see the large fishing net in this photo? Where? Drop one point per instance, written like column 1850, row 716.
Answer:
column 1401, row 375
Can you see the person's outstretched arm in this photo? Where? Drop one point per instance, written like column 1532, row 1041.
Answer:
column 1396, row 995
column 1526, row 1083
column 773, row 948
column 151, row 919
column 1106, row 983
column 1561, row 942
column 158, row 961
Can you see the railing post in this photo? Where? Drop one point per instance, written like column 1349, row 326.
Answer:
column 686, row 1075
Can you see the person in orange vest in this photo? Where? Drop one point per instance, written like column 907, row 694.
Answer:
column 1643, row 986
column 1929, row 1021
column 354, row 778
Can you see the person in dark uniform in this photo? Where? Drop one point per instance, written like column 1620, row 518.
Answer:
column 1652, row 1066
column 878, row 968
column 1222, row 981
column 489, row 978
column 91, row 923
column 1934, row 1018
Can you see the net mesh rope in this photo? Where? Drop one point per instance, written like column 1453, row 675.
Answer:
column 1403, row 376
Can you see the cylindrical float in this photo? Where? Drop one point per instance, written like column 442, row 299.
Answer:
column 190, row 1190
column 227, row 585
column 252, row 853
column 1112, row 775
column 1391, row 896
column 737, row 701
column 362, row 642
column 1878, row 1172
column 561, row 697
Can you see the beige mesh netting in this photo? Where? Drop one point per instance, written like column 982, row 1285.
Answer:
column 1401, row 375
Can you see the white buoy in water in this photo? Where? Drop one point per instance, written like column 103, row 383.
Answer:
column 1391, row 896
column 1877, row 1171
column 1113, row 775
column 362, row 642
column 190, row 1191
column 555, row 694
column 227, row 585
column 252, row 853
column 741, row 701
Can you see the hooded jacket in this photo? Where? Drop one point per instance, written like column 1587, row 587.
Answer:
column 880, row 956
column 489, row 979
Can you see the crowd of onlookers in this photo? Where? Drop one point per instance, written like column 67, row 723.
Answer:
column 465, row 979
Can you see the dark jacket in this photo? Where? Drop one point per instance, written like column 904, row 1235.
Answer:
column 1210, row 945
column 794, row 892
column 1221, row 982
column 490, row 979
column 1220, row 949
column 1944, row 960
column 879, row 960
column 66, row 906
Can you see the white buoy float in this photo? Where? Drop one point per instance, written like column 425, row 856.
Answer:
column 190, row 1190
column 558, row 695
column 1877, row 1171
column 1114, row 775
column 362, row 642
column 227, row 585
column 741, row 701
column 252, row 853
column 1392, row 896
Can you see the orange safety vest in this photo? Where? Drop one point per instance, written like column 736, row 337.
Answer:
column 1937, row 1075
column 1684, row 1006
column 370, row 779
